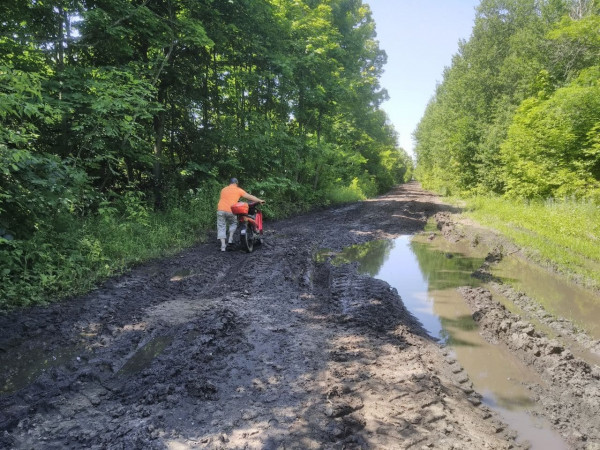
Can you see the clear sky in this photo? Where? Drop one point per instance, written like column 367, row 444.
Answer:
column 419, row 37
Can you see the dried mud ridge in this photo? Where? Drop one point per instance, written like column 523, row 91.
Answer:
column 569, row 392
column 269, row 350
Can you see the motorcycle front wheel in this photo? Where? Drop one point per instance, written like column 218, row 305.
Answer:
column 247, row 238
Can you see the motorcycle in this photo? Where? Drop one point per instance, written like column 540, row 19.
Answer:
column 250, row 225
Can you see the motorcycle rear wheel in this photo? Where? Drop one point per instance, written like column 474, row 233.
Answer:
column 247, row 238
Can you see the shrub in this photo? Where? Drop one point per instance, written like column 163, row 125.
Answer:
column 346, row 194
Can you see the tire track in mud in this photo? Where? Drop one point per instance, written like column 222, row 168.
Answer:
column 402, row 409
column 560, row 326
column 231, row 350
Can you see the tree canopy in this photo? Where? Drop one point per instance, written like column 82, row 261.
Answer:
column 159, row 96
column 518, row 111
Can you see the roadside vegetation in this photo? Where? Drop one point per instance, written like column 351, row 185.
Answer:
column 70, row 258
column 563, row 235
column 514, row 128
column 121, row 120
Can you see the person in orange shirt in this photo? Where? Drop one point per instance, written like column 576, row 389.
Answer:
column 230, row 195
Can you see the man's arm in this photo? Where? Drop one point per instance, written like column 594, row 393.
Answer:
column 252, row 198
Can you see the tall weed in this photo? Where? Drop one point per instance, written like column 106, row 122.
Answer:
column 346, row 194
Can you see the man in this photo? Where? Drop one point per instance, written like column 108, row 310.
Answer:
column 230, row 195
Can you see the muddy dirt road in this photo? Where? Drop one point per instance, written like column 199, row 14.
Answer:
column 269, row 350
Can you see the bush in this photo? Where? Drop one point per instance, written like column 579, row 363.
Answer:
column 55, row 263
column 552, row 145
column 346, row 194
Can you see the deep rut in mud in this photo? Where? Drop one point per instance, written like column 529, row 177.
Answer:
column 230, row 350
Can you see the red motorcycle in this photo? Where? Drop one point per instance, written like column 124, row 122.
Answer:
column 250, row 225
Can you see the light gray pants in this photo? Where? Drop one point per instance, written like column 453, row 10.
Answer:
column 224, row 220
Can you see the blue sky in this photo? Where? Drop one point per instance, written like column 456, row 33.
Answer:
column 419, row 37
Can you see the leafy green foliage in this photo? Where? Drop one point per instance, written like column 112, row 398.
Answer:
column 347, row 194
column 576, row 45
column 55, row 262
column 550, row 149
column 113, row 111
column 517, row 112
column 20, row 106
column 38, row 191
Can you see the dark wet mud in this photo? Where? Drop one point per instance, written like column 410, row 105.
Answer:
column 274, row 349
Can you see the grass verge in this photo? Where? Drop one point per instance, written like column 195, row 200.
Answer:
column 70, row 259
column 563, row 234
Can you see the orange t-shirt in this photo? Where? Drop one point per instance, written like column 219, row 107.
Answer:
column 230, row 195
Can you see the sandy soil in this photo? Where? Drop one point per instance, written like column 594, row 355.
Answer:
column 269, row 350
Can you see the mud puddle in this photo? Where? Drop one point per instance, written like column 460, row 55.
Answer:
column 556, row 306
column 144, row 356
column 426, row 279
column 560, row 298
column 20, row 371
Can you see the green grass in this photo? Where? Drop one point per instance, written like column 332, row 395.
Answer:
column 128, row 243
column 56, row 264
column 346, row 194
column 564, row 234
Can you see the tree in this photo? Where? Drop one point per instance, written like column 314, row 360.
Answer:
column 551, row 148
column 520, row 53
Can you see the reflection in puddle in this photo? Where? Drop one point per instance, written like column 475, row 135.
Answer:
column 181, row 275
column 490, row 367
column 426, row 279
column 23, row 369
column 413, row 269
column 144, row 356
column 370, row 256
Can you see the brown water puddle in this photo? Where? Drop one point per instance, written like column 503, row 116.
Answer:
column 426, row 278
column 559, row 297
column 500, row 372
column 21, row 370
column 495, row 373
column 181, row 275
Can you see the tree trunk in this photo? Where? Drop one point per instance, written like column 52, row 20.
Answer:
column 206, row 99
column 63, row 141
column 129, row 167
column 159, row 130
column 215, row 95
column 581, row 8
column 319, row 163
